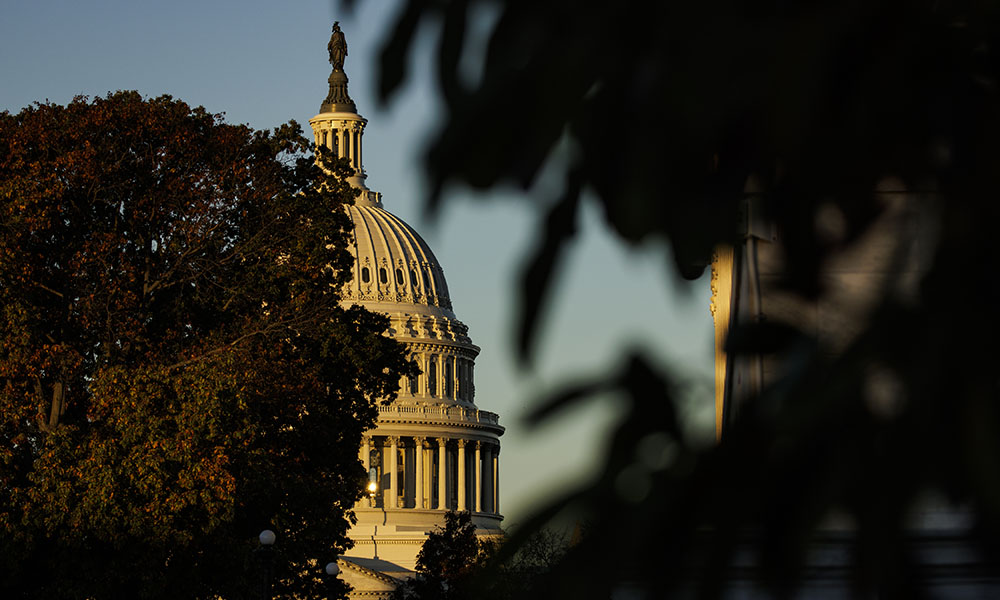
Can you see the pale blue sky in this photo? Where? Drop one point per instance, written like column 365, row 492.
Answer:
column 263, row 63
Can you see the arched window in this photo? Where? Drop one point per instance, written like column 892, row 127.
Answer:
column 449, row 378
column 333, row 145
column 382, row 276
column 414, row 385
column 365, row 276
column 432, row 376
column 413, row 279
column 399, row 277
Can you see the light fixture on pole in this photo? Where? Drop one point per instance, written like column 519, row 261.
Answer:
column 265, row 556
column 331, row 577
column 372, row 485
column 332, row 568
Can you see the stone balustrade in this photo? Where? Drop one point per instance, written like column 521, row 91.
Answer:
column 450, row 414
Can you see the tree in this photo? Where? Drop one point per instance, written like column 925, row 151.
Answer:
column 455, row 564
column 176, row 372
column 519, row 566
column 446, row 562
column 814, row 104
column 450, row 553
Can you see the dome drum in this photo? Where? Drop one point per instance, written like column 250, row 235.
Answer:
column 446, row 375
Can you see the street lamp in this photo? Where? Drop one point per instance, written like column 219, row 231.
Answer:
column 372, row 485
column 266, row 537
column 331, row 577
column 265, row 556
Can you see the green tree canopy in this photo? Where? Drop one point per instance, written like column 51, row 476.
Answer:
column 176, row 372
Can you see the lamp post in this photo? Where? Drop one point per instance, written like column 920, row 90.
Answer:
column 331, row 578
column 372, row 485
column 374, row 474
column 265, row 556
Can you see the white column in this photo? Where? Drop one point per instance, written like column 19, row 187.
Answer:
column 418, row 485
column 357, row 150
column 349, row 145
column 366, row 453
column 428, row 479
column 461, row 474
column 496, row 480
column 442, row 473
column 353, row 157
column 477, row 471
column 393, row 475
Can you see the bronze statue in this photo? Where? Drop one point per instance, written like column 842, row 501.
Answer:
column 338, row 100
column 337, row 47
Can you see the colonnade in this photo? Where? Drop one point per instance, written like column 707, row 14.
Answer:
column 448, row 376
column 344, row 141
column 433, row 472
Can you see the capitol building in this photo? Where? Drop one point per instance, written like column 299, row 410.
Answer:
column 432, row 450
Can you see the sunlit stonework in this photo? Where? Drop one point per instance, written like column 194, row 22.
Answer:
column 432, row 450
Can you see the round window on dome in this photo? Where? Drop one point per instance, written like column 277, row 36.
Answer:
column 399, row 277
column 382, row 276
column 365, row 276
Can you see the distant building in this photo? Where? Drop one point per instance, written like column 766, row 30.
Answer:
column 889, row 260
column 432, row 450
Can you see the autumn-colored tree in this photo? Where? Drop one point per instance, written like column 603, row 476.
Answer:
column 176, row 372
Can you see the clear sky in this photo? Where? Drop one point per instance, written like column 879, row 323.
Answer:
column 263, row 62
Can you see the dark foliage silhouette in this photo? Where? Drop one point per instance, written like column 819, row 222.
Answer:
column 669, row 111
